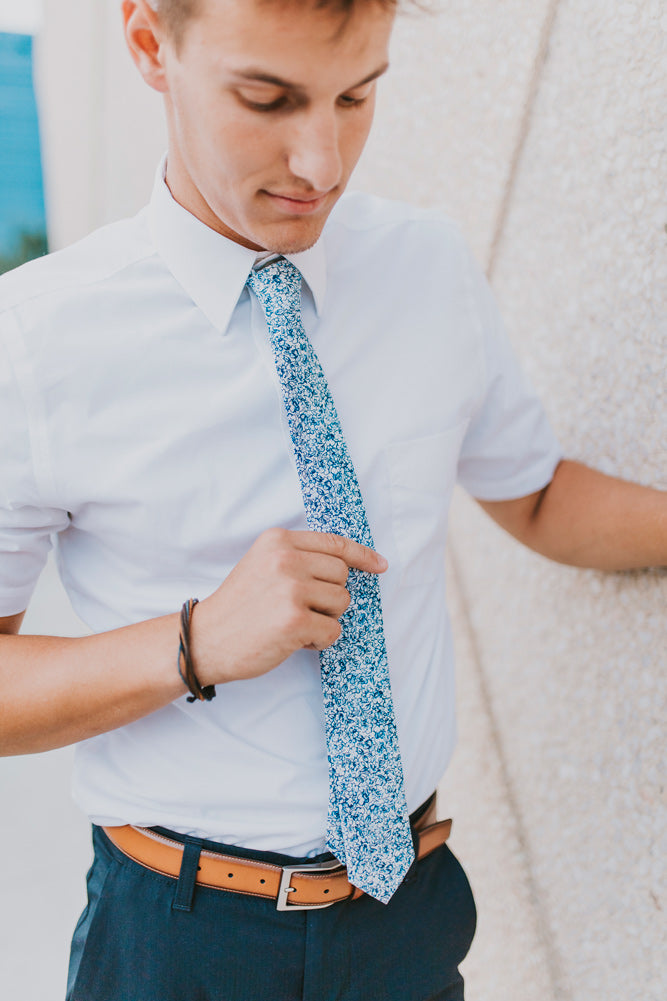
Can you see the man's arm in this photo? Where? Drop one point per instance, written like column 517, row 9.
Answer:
column 56, row 690
column 287, row 593
column 587, row 519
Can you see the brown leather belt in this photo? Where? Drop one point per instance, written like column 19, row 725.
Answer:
column 300, row 887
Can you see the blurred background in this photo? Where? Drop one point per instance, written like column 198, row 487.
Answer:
column 542, row 128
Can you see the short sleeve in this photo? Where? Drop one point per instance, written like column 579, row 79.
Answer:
column 26, row 523
column 509, row 449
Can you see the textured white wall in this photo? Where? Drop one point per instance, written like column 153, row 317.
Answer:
column 450, row 109
column 574, row 662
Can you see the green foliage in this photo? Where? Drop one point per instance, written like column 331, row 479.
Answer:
column 28, row 246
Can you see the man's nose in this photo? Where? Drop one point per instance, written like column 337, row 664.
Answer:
column 314, row 154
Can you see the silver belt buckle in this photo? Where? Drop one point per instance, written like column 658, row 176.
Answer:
column 285, row 889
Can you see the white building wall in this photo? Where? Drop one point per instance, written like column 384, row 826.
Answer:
column 103, row 129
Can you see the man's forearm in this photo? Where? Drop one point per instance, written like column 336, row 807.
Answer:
column 587, row 519
column 57, row 691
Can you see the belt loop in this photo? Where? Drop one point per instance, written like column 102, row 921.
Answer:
column 187, row 878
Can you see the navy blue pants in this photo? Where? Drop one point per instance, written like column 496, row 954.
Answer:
column 131, row 944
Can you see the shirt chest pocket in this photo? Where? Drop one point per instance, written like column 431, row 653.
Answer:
column 422, row 474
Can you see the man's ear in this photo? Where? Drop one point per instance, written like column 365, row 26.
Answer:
column 145, row 39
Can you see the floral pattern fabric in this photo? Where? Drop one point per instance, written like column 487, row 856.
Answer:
column 368, row 824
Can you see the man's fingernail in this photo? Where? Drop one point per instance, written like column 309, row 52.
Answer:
column 382, row 561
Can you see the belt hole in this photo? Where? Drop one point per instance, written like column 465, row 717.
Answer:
column 198, row 868
column 262, row 881
column 326, row 891
column 231, row 875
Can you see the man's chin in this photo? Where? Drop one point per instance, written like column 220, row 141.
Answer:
column 293, row 236
column 289, row 248
column 292, row 243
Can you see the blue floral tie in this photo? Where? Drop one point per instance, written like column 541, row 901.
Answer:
column 368, row 827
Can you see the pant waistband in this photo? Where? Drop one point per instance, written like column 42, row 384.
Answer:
column 301, row 887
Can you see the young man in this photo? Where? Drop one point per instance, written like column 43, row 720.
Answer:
column 245, row 394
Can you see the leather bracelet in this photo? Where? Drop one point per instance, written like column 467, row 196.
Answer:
column 200, row 693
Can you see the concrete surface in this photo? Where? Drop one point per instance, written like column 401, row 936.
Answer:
column 574, row 661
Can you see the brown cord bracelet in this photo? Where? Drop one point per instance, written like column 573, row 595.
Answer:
column 200, row 693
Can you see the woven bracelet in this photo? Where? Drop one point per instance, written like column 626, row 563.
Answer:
column 200, row 693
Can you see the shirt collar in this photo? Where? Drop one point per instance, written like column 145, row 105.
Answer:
column 210, row 267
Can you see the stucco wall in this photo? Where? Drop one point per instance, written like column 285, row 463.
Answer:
column 543, row 129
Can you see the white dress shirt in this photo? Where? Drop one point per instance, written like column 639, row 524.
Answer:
column 142, row 433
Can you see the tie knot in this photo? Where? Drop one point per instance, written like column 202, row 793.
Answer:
column 277, row 285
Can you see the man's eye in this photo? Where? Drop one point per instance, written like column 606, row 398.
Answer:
column 271, row 106
column 354, row 100
column 255, row 105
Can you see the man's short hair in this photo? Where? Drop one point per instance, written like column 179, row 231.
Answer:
column 176, row 13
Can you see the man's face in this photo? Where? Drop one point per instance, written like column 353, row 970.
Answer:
column 269, row 105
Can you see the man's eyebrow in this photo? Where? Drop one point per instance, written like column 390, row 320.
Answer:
column 260, row 76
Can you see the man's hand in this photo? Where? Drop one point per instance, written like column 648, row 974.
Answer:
column 587, row 519
column 287, row 593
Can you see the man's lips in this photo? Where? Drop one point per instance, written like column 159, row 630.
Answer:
column 297, row 204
